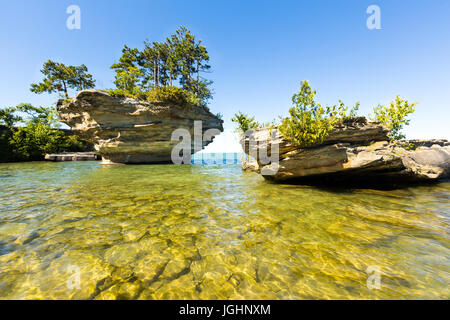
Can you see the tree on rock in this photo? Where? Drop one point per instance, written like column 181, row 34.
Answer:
column 310, row 122
column 127, row 72
column 394, row 116
column 178, row 62
column 244, row 122
column 59, row 78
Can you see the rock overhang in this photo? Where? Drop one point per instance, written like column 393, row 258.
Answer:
column 355, row 151
column 127, row 130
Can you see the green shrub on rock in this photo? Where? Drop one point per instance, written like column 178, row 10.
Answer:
column 244, row 122
column 119, row 93
column 394, row 116
column 309, row 122
column 168, row 94
column 161, row 95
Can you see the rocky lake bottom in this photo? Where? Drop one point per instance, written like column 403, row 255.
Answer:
column 214, row 232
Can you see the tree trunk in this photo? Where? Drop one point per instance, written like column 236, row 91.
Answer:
column 159, row 76
column 198, row 70
column 198, row 78
column 65, row 90
column 154, row 73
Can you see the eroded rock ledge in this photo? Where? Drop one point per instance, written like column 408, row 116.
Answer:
column 126, row 130
column 355, row 151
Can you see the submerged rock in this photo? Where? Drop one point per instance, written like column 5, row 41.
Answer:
column 72, row 156
column 126, row 130
column 355, row 150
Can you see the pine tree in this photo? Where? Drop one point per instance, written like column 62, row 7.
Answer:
column 128, row 75
column 59, row 78
column 181, row 58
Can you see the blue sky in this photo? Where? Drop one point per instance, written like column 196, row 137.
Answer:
column 260, row 51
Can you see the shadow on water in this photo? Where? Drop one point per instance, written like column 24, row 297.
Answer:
column 340, row 184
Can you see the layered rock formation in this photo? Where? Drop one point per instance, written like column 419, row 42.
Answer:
column 356, row 150
column 126, row 130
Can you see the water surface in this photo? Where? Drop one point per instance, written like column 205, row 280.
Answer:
column 213, row 232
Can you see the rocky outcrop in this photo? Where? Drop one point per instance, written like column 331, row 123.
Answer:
column 355, row 150
column 72, row 156
column 126, row 130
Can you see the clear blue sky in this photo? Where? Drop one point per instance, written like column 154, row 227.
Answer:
column 260, row 51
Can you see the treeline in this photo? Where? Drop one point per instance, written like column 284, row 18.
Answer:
column 179, row 60
column 27, row 133
column 169, row 71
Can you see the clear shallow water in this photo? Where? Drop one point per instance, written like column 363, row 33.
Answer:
column 213, row 232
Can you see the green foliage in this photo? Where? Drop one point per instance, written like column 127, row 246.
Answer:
column 169, row 94
column 343, row 113
column 6, row 154
column 394, row 116
column 201, row 91
column 161, row 95
column 309, row 122
column 119, row 93
column 192, row 99
column 245, row 122
column 128, row 74
column 158, row 63
column 8, row 117
column 127, row 80
column 161, row 64
column 34, row 140
column 59, row 78
column 47, row 116
column 37, row 135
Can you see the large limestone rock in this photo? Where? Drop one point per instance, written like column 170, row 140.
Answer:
column 125, row 130
column 355, row 150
